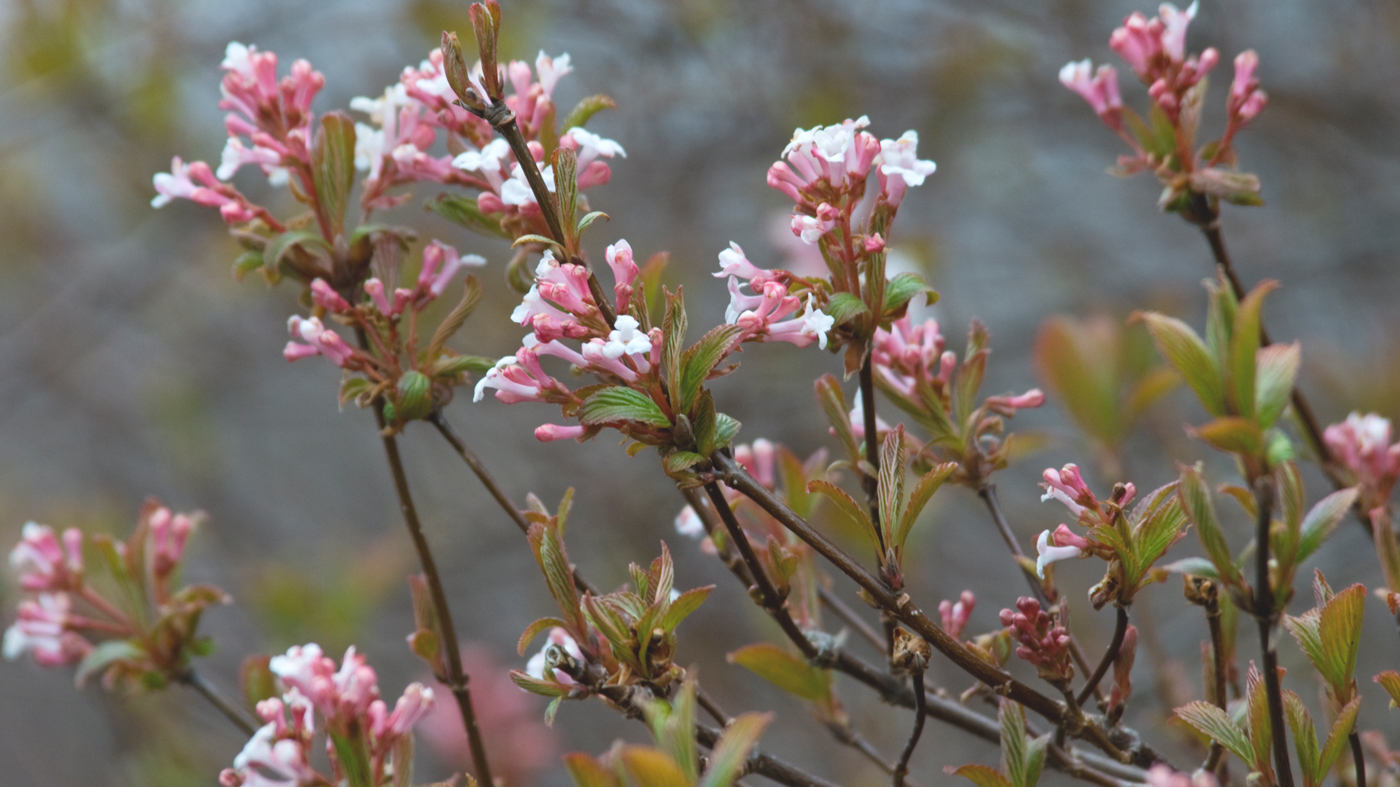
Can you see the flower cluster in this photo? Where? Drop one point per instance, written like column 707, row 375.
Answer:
column 269, row 125
column 363, row 736
column 1067, row 486
column 1155, row 50
column 956, row 615
column 145, row 637
column 1044, row 640
column 769, row 314
column 1362, row 444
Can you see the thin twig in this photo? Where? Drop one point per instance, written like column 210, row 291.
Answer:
column 1217, row 687
column 196, row 681
column 1120, row 629
column 850, row 618
column 871, row 481
column 1359, row 757
column 439, row 420
column 902, row 769
column 1264, row 614
column 711, row 707
column 765, row 765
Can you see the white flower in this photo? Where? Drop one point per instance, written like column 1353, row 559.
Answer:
column 816, row 323
column 172, row 185
column 236, row 59
column 626, row 339
column 517, row 191
column 1049, row 554
column 591, row 146
column 487, row 160
column 688, row 523
column 551, row 69
column 489, row 379
column 900, row 157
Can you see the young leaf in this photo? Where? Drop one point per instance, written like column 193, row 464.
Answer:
column 104, row 656
column 1077, row 361
column 1013, row 741
column 891, row 485
column 1340, row 630
column 980, row 775
column 463, row 211
column 673, row 330
column 652, row 767
column 617, row 403
column 1261, row 732
column 1276, row 366
column 833, row 403
column 919, row 498
column 1196, row 502
column 847, row 505
column 843, row 307
column 1233, row 434
column 534, row 630
column 1390, row 681
column 333, row 167
column 681, row 608
column 1304, row 738
column 585, row 109
column 729, row 754
column 902, row 289
column 1337, row 737
column 1244, row 344
column 588, row 772
column 1322, row 519
column 1215, row 724
column 1185, row 351
column 783, row 670
column 700, row 359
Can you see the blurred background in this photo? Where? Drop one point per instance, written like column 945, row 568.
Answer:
column 135, row 365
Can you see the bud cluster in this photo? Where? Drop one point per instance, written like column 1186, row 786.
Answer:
column 1362, row 444
column 1044, row 640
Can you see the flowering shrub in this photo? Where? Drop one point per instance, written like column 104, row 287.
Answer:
column 490, row 141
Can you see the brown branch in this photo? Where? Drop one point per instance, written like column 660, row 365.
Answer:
column 1356, row 754
column 1120, row 629
column 849, row 616
column 1217, row 686
column 871, row 481
column 901, row 608
column 902, row 769
column 1265, row 615
column 439, row 420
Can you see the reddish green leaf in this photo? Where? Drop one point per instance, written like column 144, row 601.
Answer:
column 585, row 109
column 784, row 670
column 534, row 630
column 1233, row 434
column 919, row 498
column 1322, row 519
column 1077, row 362
column 1276, row 366
column 588, row 772
column 1390, row 681
column 1196, row 502
column 1215, row 724
column 728, row 756
column 980, row 775
column 684, row 604
column 1185, row 351
column 1340, row 630
column 1257, row 712
column 1337, row 737
column 1244, row 344
column 833, row 403
column 652, row 767
column 1304, row 738
column 848, row 507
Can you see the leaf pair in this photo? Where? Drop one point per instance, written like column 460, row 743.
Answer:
column 897, row 510
column 1245, row 387
column 1022, row 757
column 1249, row 741
column 1330, row 635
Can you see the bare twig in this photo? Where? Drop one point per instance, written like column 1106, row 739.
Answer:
column 765, row 765
column 850, row 618
column 902, row 769
column 1217, row 685
column 231, row 712
column 1356, row 754
column 1120, row 629
column 1267, row 618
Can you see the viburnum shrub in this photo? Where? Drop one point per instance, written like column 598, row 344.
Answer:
column 610, row 350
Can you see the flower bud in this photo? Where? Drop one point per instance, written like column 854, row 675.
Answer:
column 415, row 396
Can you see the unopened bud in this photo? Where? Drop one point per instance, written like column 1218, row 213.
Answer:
column 455, row 67
column 911, row 652
column 415, row 396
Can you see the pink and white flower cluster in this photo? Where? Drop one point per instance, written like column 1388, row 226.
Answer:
column 346, row 700
column 561, row 306
column 269, row 125
column 1362, row 444
column 771, row 313
column 1067, row 486
column 955, row 615
column 908, row 355
column 45, row 626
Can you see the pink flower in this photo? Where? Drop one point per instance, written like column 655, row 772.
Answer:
column 416, row 702
column 732, row 262
column 836, row 155
column 551, row 69
column 342, row 695
column 236, row 154
column 440, row 266
column 757, row 460
column 546, row 433
column 1174, row 24
column 901, row 167
column 319, row 341
column 1047, row 553
column 1362, row 444
column 1068, row 487
column 41, row 562
column 590, row 146
column 688, row 523
column 1008, row 405
column 1101, row 90
column 857, row 416
column 42, row 630
column 1160, row 775
column 624, row 269
column 811, row 228
column 168, row 534
column 1044, row 641
column 955, row 616
column 1139, row 43
column 325, row 297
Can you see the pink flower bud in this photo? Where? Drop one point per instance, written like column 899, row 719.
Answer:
column 325, row 297
column 874, row 244
column 550, row 432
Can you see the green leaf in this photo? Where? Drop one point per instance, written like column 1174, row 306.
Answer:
column 543, row 688
column 588, row 772
column 1013, row 741
column 1275, row 368
column 352, row 388
column 586, row 109
column 1148, row 389
column 1197, row 566
column 255, row 680
column 1390, row 681
column 534, row 630
column 1244, row 344
column 967, row 381
column 247, row 261
column 1077, row 363
column 842, row 307
column 587, row 220
column 679, row 461
column 451, row 366
column 617, row 403
column 1196, row 502
column 1035, row 758
column 784, row 670
column 1304, row 738
column 1340, row 629
column 463, row 211
column 901, row 289
column 726, row 429
column 652, row 767
column 919, row 498
column 352, row 754
column 1337, row 737
column 700, row 359
column 833, row 403
column 673, row 327
column 1322, row 519
column 891, row 485
column 732, row 751
column 684, row 604
column 1215, row 724
column 1233, row 434
column 1185, row 351
column 105, row 655
column 279, row 247
column 1261, row 732
column 849, row 508
column 333, row 167
column 980, row 775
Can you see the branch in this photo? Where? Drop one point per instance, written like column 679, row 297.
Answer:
column 765, row 765
column 849, row 616
column 902, row 769
column 1356, row 754
column 905, row 611
column 1120, row 629
column 231, row 712
column 1217, row 686
column 439, row 420
column 1264, row 614
column 871, row 482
